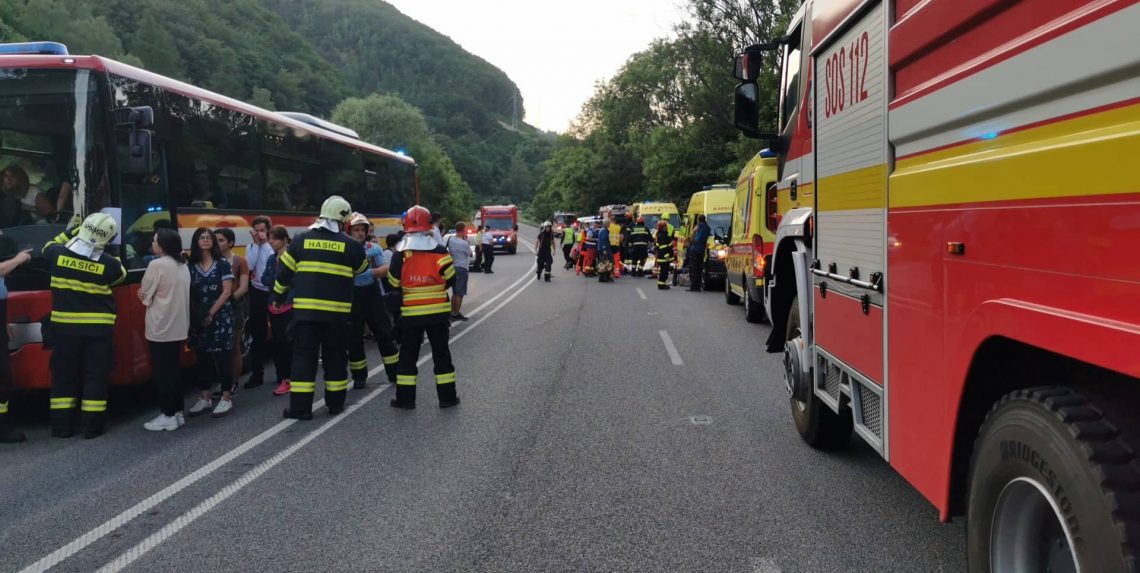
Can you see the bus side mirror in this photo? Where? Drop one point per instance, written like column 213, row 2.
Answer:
column 138, row 161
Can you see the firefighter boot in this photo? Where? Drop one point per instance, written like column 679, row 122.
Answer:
column 359, row 379
column 445, row 390
column 547, row 277
column 93, row 424
column 390, row 367
column 405, row 392
column 335, row 393
column 7, row 434
column 63, row 423
column 300, row 401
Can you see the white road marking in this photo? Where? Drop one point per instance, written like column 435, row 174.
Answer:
column 670, row 348
column 641, row 294
column 67, row 551
column 764, row 565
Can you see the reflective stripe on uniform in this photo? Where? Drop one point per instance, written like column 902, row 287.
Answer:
column 288, row 260
column 94, row 405
column 429, row 296
column 446, row 378
column 279, row 288
column 321, row 304
column 425, row 309
column 395, row 282
column 326, row 268
column 448, row 273
column 358, row 364
column 405, row 379
column 432, row 288
column 3, row 407
column 64, row 403
column 80, row 286
column 82, row 317
column 336, row 385
column 302, row 387
column 392, row 359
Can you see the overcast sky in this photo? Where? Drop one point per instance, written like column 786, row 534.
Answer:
column 554, row 51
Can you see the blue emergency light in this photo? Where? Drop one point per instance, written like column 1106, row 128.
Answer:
column 41, row 48
column 767, row 154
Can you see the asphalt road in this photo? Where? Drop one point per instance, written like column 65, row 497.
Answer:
column 575, row 449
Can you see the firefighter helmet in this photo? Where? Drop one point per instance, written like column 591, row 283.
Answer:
column 418, row 220
column 336, row 208
column 546, row 224
column 98, row 229
column 359, row 219
column 641, row 220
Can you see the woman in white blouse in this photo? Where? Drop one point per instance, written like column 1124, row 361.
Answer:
column 165, row 292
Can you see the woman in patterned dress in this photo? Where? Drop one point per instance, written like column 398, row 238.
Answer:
column 211, row 321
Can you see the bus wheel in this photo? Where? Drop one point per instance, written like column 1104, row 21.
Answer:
column 816, row 423
column 1052, row 486
column 730, row 297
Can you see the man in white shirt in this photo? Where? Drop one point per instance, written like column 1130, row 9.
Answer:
column 460, row 251
column 257, row 256
column 488, row 250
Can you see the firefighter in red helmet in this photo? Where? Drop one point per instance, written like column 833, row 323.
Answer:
column 422, row 269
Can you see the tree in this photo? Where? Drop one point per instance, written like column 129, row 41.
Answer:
column 156, row 47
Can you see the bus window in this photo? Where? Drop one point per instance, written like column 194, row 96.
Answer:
column 343, row 171
column 391, row 187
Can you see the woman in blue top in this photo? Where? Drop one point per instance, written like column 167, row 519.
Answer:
column 368, row 309
column 7, row 434
column 211, row 321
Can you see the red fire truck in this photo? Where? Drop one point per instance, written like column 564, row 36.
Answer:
column 502, row 221
column 962, row 291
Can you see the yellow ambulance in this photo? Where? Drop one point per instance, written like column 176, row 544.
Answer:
column 715, row 203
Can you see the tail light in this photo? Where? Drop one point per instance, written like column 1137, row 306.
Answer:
column 757, row 257
column 772, row 204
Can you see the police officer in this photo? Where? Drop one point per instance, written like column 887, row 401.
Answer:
column 638, row 247
column 82, row 323
column 665, row 251
column 545, row 253
column 368, row 309
column 319, row 267
column 423, row 270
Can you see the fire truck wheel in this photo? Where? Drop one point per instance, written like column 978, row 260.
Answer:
column 729, row 296
column 1053, row 484
column 817, row 424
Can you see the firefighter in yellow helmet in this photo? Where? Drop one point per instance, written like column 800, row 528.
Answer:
column 82, row 323
column 368, row 309
column 319, row 267
column 423, row 270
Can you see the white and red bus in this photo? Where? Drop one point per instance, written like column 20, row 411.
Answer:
column 960, row 286
column 85, row 134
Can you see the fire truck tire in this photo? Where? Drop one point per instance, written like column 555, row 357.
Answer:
column 817, row 424
column 512, row 250
column 730, row 297
column 1054, row 479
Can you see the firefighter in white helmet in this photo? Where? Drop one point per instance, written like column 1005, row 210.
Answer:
column 82, row 323
column 318, row 267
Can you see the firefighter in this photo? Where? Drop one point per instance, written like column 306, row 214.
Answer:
column 319, row 268
column 666, row 247
column 568, row 236
column 545, row 250
column 423, row 270
column 638, row 247
column 698, row 250
column 368, row 309
column 82, row 323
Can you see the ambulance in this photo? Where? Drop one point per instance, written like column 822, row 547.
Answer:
column 961, row 290
column 715, row 203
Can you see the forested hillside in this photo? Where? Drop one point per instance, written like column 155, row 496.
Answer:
column 312, row 55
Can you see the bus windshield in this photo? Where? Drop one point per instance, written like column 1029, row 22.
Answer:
column 499, row 223
column 51, row 160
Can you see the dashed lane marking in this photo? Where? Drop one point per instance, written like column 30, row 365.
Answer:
column 641, row 294
column 674, row 356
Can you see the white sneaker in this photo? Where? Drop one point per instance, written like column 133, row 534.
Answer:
column 162, row 423
column 223, row 408
column 200, row 407
column 181, row 419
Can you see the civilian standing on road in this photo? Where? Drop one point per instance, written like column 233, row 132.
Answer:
column 211, row 322
column 257, row 255
column 423, row 270
column 437, row 227
column 7, row 434
column 488, row 250
column 695, row 258
column 239, row 300
column 477, row 266
column 280, row 314
column 460, row 251
column 545, row 253
column 368, row 309
column 165, row 292
column 83, row 314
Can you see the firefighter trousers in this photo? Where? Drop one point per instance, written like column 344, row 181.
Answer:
column 329, row 341
column 79, row 369
column 368, row 309
column 545, row 261
column 663, row 269
column 637, row 256
column 566, row 248
column 413, row 337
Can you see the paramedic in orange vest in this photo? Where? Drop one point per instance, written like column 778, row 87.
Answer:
column 423, row 270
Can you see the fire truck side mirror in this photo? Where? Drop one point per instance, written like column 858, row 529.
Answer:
column 747, row 111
